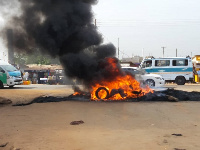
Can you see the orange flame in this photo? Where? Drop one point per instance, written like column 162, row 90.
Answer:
column 126, row 83
column 76, row 93
column 122, row 87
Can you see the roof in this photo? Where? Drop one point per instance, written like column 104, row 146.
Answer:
column 168, row 58
column 43, row 67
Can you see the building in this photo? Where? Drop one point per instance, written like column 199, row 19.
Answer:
column 131, row 61
column 41, row 74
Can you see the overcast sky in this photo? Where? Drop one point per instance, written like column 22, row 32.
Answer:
column 145, row 24
column 150, row 25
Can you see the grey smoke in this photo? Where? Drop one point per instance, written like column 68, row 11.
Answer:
column 64, row 29
column 8, row 8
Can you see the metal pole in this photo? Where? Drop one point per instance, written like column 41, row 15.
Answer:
column 118, row 48
column 143, row 53
column 163, row 50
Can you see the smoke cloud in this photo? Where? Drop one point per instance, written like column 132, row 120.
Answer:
column 64, row 29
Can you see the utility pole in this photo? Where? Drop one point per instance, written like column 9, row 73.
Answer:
column 163, row 50
column 95, row 22
column 118, row 48
column 143, row 53
column 10, row 46
column 176, row 52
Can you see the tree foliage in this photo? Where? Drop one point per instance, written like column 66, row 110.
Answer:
column 35, row 58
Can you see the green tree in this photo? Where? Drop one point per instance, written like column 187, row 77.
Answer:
column 35, row 58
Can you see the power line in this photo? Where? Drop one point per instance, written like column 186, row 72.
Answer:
column 177, row 22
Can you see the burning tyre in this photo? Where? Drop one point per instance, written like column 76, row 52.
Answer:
column 102, row 93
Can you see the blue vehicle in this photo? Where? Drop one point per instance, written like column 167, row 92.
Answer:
column 175, row 69
column 13, row 72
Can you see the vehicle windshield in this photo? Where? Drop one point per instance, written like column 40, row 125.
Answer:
column 146, row 63
column 9, row 68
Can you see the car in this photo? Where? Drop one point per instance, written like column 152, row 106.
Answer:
column 13, row 72
column 5, row 79
column 152, row 80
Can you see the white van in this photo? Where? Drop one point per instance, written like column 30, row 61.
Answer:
column 176, row 69
column 13, row 72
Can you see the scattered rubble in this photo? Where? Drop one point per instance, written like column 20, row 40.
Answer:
column 165, row 141
column 4, row 101
column 76, row 122
column 4, row 144
column 13, row 148
column 177, row 134
column 8, row 146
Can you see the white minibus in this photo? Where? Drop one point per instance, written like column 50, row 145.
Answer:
column 176, row 69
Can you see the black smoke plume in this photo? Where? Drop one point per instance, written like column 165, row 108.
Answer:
column 64, row 29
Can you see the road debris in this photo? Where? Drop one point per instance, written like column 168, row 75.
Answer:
column 4, row 144
column 177, row 134
column 4, row 101
column 76, row 122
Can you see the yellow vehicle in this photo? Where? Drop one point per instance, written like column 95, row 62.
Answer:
column 196, row 67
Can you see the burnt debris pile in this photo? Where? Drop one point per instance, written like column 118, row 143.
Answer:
column 169, row 95
column 172, row 95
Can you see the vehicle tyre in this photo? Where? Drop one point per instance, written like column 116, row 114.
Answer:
column 180, row 80
column 1, row 85
column 97, row 93
column 11, row 86
column 150, row 82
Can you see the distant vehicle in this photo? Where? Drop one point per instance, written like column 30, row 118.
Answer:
column 176, row 69
column 5, row 79
column 13, row 72
column 153, row 80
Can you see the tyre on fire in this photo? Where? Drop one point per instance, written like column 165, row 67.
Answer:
column 102, row 89
column 180, row 80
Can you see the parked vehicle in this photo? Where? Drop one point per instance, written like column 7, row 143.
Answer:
column 153, row 80
column 13, row 72
column 5, row 79
column 177, row 69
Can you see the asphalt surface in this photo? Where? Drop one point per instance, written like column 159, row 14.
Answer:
column 112, row 125
column 186, row 87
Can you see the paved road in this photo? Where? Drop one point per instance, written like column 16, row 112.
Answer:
column 29, row 92
column 140, row 125
column 186, row 87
